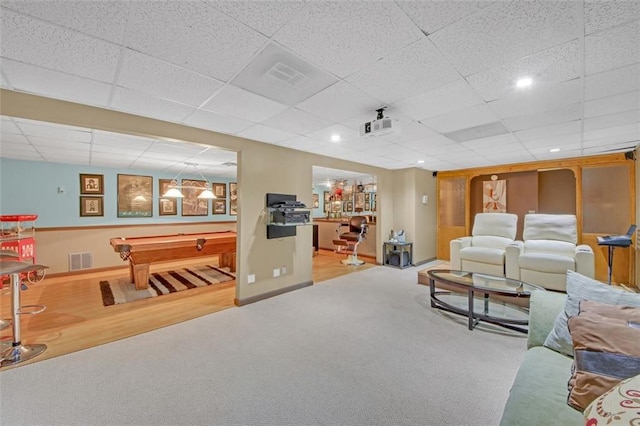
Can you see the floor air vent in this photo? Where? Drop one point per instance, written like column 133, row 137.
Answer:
column 80, row 261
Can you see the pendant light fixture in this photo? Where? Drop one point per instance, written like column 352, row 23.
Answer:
column 175, row 189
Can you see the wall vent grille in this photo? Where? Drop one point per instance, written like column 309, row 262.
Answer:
column 80, row 261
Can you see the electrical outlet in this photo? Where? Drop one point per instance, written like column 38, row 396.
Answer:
column 251, row 279
column 283, row 270
column 276, row 272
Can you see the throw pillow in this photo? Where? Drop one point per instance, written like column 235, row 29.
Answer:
column 606, row 351
column 580, row 288
column 619, row 405
column 628, row 313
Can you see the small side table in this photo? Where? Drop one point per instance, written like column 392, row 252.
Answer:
column 397, row 255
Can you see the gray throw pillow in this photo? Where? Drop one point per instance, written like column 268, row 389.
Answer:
column 580, row 288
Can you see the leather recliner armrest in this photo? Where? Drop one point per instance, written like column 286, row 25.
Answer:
column 511, row 265
column 585, row 261
column 454, row 251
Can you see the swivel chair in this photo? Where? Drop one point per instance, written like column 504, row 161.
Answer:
column 356, row 234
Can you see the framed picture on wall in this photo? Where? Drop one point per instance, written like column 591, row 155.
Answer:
column 166, row 206
column 135, row 195
column 219, row 206
column 233, row 198
column 91, row 206
column 191, row 204
column 316, row 201
column 219, row 190
column 91, row 184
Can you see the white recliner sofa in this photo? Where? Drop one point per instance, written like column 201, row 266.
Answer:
column 549, row 249
column 484, row 250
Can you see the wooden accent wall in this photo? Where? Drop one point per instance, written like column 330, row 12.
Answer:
column 530, row 187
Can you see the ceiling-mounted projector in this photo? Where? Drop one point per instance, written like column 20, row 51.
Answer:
column 381, row 126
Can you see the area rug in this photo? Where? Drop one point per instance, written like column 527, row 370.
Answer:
column 123, row 290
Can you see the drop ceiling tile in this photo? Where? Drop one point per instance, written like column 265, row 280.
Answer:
column 115, row 157
column 296, row 121
column 612, row 82
column 606, row 149
column 415, row 69
column 40, row 142
column 162, row 79
column 23, row 155
column 111, row 139
column 512, row 157
column 54, row 84
column 544, row 150
column 538, row 99
column 325, row 134
column 340, row 102
column 551, row 66
column 51, row 131
column 553, row 141
column 611, row 120
column 560, row 114
column 612, row 104
column 629, row 141
column 441, row 100
column 108, row 150
column 34, row 42
column 231, row 100
column 266, row 17
column 493, row 144
column 600, row 15
column 57, row 155
column 8, row 149
column 150, row 163
column 264, row 133
column 192, row 35
column 548, row 156
column 149, row 106
column 627, row 129
column 612, row 48
column 398, row 152
column 343, row 37
column 14, row 139
column 462, row 119
column 550, row 131
column 7, row 126
column 507, row 31
column 184, row 149
column 432, row 16
column 301, row 143
column 217, row 122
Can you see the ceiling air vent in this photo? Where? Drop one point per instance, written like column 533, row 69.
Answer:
column 286, row 74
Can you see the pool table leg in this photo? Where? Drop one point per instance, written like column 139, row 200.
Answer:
column 139, row 274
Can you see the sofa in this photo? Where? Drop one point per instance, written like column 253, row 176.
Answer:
column 594, row 322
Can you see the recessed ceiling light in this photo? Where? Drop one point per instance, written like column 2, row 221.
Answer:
column 554, row 150
column 420, row 161
column 524, row 82
column 335, row 138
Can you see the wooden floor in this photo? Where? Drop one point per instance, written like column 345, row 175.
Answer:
column 76, row 319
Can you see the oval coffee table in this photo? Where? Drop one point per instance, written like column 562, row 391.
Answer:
column 511, row 316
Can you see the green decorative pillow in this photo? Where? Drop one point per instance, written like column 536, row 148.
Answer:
column 580, row 288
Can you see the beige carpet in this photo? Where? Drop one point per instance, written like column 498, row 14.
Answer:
column 123, row 290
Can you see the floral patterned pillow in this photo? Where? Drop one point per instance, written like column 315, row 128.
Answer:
column 619, row 405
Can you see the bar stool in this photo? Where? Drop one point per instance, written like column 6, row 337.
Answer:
column 7, row 255
column 18, row 352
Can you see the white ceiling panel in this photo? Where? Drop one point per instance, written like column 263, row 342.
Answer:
column 550, row 131
column 34, row 42
column 613, row 142
column 192, row 35
column 432, row 16
column 494, row 144
column 22, row 155
column 7, row 126
column 546, row 155
column 612, row 104
column 296, row 121
column 265, row 134
column 340, row 102
column 611, row 120
column 35, row 129
column 14, row 139
column 8, row 148
column 54, row 84
column 266, row 17
column 415, row 69
column 357, row 27
column 600, row 15
column 628, row 129
column 326, row 133
column 555, row 65
column 39, row 142
column 562, row 114
column 553, row 142
column 612, row 82
column 162, row 79
column 544, row 151
column 231, row 100
column 149, row 106
column 612, row 48
column 507, row 31
column 217, row 122
column 301, row 143
column 121, row 140
column 462, row 119
column 56, row 155
column 444, row 99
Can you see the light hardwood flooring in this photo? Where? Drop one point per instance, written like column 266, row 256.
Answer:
column 75, row 318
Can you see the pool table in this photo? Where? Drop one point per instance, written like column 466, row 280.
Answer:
column 142, row 251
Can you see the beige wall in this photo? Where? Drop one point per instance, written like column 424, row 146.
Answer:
column 637, row 245
column 262, row 168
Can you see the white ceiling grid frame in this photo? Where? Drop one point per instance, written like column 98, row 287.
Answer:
column 609, row 120
column 612, row 48
column 149, row 106
column 193, row 35
column 265, row 134
column 560, row 129
column 612, row 82
column 342, row 37
column 231, row 100
column 612, row 104
column 296, row 121
column 217, row 122
column 553, row 116
column 431, row 16
column 340, row 102
column 462, row 119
